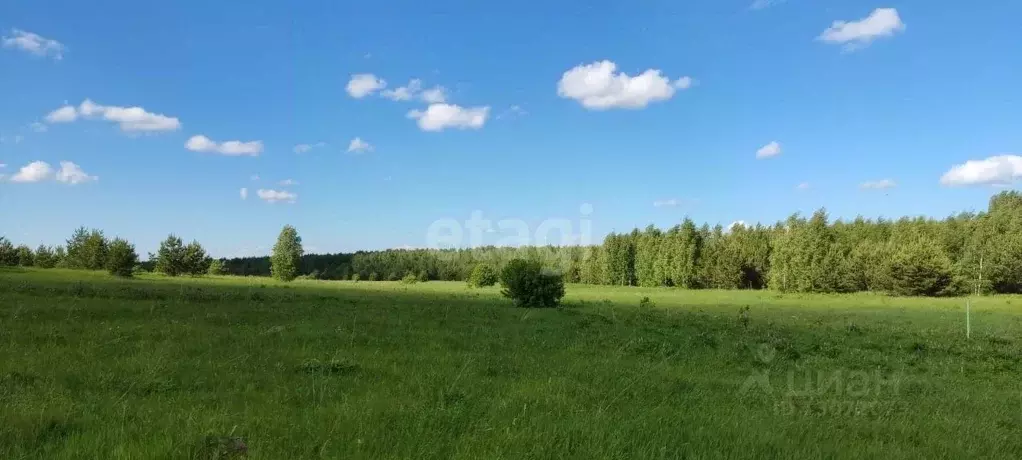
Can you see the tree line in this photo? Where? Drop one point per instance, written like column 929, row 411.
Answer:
column 909, row 256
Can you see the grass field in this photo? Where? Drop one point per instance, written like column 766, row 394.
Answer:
column 94, row 367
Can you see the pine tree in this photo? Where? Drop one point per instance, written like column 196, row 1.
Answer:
column 170, row 259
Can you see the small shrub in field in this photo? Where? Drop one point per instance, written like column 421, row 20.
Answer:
column 645, row 302
column 483, row 275
column 527, row 284
column 410, row 279
column 373, row 276
column 355, row 277
column 423, row 277
column 121, row 258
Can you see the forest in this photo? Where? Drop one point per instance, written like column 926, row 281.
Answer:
column 961, row 254
column 907, row 256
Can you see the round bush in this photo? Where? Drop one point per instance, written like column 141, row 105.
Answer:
column 483, row 275
column 527, row 284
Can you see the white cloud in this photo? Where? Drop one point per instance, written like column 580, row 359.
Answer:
column 878, row 184
column 438, row 117
column 65, row 114
column 357, row 145
column 403, row 93
column 36, row 171
column 244, row 193
column 34, row 44
column 303, row 148
column 668, row 203
column 230, row 148
column 770, row 150
column 73, row 174
column 596, row 86
column 434, row 95
column 38, row 127
column 882, row 22
column 364, row 84
column 274, row 196
column 803, row 186
column 2, row 165
column 288, row 182
column 130, row 119
column 998, row 170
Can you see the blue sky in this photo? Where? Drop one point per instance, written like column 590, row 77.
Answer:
column 648, row 111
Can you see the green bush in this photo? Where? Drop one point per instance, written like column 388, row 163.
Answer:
column 373, row 276
column 355, row 277
column 410, row 278
column 121, row 258
column 527, row 284
column 483, row 275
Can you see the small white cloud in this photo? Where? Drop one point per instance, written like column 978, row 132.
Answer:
column 303, row 148
column 364, row 84
column 34, row 44
column 38, row 127
column 668, row 203
column 878, row 185
column 73, row 174
column 803, row 186
column 244, row 193
column 403, row 93
column 882, row 22
column 684, row 83
column 357, row 145
column 597, row 86
column 65, row 114
column 275, row 196
column 770, row 150
column 438, row 117
column 230, row 148
column 288, row 182
column 2, row 165
column 36, row 171
column 434, row 95
column 998, row 170
column 130, row 119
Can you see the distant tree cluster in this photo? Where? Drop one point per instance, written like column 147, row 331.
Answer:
column 85, row 250
column 908, row 256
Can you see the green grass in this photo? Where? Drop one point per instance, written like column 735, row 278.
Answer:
column 93, row 367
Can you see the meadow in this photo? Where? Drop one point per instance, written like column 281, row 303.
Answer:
column 92, row 366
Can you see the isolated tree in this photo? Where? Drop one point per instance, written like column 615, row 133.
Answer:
column 196, row 261
column 25, row 256
column 170, row 258
column 287, row 254
column 44, row 257
column 8, row 255
column 121, row 258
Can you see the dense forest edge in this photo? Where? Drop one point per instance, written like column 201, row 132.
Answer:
column 920, row 256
